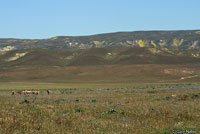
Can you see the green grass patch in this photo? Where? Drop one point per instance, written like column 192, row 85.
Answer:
column 163, row 98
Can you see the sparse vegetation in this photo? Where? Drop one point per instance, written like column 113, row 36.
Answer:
column 166, row 108
column 124, row 90
column 101, row 65
column 163, row 98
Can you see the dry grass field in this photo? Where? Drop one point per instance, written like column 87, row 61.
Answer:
column 101, row 109
column 100, row 91
column 103, row 74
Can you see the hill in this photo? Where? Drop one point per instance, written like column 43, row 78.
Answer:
column 102, row 65
column 187, row 39
column 98, row 56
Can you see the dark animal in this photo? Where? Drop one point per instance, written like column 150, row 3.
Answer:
column 13, row 92
column 48, row 92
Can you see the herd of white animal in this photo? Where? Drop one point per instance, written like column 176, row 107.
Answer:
column 28, row 92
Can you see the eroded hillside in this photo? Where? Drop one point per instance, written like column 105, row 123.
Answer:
column 154, row 39
column 101, row 65
column 98, row 56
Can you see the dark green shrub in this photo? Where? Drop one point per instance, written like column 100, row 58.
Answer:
column 25, row 101
column 164, row 98
column 78, row 110
column 195, row 96
column 93, row 100
column 77, row 100
column 110, row 111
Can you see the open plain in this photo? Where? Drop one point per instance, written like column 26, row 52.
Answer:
column 92, row 109
column 100, row 91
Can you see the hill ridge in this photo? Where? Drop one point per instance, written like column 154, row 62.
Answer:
column 183, row 39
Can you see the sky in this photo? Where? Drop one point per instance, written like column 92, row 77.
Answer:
column 37, row 19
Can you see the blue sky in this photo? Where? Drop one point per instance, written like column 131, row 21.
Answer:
column 48, row 18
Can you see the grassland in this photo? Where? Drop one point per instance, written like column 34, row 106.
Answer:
column 140, row 73
column 103, row 65
column 100, row 91
column 100, row 109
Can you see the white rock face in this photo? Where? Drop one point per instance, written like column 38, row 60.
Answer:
column 195, row 55
column 109, row 53
column 154, row 51
column 189, row 77
column 6, row 49
column 17, row 56
column 194, row 45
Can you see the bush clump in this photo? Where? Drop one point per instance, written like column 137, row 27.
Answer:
column 163, row 98
column 25, row 101
column 93, row 100
column 110, row 111
column 77, row 100
column 78, row 110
